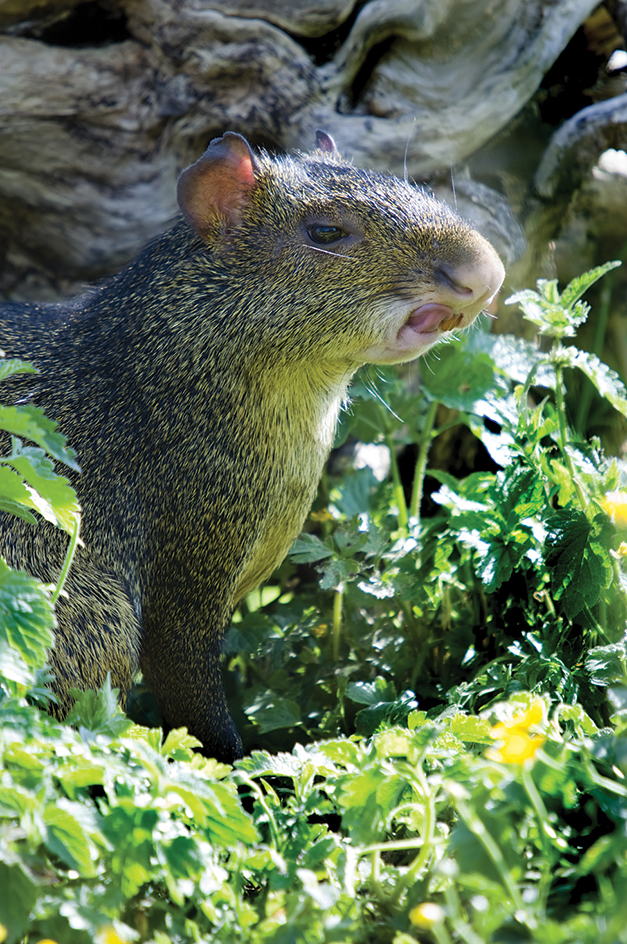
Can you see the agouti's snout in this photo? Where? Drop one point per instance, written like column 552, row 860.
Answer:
column 466, row 291
column 475, row 284
column 447, row 298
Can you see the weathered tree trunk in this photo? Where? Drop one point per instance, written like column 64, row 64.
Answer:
column 103, row 102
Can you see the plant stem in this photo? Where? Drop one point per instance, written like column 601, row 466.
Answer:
column 421, row 462
column 603, row 610
column 397, row 486
column 456, row 917
column 338, row 599
column 559, row 402
column 563, row 431
column 420, row 636
column 477, row 827
column 546, row 832
column 69, row 557
column 428, row 833
column 602, row 315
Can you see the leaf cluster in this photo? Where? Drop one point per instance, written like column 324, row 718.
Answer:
column 451, row 675
column 109, row 834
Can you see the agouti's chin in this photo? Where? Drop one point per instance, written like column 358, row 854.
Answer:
column 407, row 346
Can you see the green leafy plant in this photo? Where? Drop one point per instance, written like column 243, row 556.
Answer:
column 449, row 671
column 29, row 483
column 509, row 582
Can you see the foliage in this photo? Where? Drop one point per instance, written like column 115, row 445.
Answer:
column 450, row 670
column 506, row 585
column 107, row 834
column 29, row 482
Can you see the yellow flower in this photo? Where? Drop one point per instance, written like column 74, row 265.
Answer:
column 426, row 915
column 614, row 504
column 3, row 933
column 517, row 745
column 322, row 515
column 109, row 936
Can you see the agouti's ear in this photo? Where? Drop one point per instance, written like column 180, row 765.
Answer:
column 324, row 142
column 216, row 188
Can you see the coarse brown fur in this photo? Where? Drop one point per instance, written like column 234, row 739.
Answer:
column 201, row 386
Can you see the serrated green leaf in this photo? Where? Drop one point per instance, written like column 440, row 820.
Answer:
column 59, row 505
column 15, row 801
column 337, row 572
column 17, row 510
column 577, row 716
column 371, row 693
column 184, row 861
column 580, row 285
column 558, row 316
column 14, row 365
column 607, row 664
column 354, row 495
column 514, row 356
column 214, row 805
column 385, row 713
column 70, row 827
column 29, row 422
column 16, row 907
column 178, row 744
column 460, row 378
column 578, row 562
column 98, row 712
column 272, row 712
column 13, row 490
column 496, row 564
column 543, row 309
column 84, row 771
column 26, row 615
column 471, row 729
column 606, row 380
column 264, row 764
column 519, row 493
column 13, row 665
column 308, row 548
column 528, row 300
column 348, row 540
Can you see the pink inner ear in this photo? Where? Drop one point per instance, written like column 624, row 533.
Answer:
column 216, row 188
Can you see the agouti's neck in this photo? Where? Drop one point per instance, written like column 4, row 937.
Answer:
column 304, row 401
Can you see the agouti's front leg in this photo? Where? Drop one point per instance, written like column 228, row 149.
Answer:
column 181, row 666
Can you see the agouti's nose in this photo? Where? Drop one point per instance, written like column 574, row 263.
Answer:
column 478, row 282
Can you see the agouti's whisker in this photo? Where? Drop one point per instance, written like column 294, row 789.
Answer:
column 328, row 252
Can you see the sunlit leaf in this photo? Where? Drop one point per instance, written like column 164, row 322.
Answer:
column 26, row 615
column 29, row 422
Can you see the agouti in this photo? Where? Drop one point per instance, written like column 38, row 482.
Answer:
column 201, row 387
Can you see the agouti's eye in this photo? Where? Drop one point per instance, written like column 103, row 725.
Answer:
column 321, row 233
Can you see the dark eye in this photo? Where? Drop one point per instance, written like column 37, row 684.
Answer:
column 321, row 233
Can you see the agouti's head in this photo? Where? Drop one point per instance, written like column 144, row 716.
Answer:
column 326, row 260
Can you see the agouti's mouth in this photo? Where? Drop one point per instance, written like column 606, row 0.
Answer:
column 433, row 317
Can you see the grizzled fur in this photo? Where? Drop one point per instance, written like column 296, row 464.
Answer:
column 201, row 387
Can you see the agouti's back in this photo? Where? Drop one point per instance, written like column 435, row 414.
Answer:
column 201, row 388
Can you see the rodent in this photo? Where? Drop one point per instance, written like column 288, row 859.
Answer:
column 201, row 386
